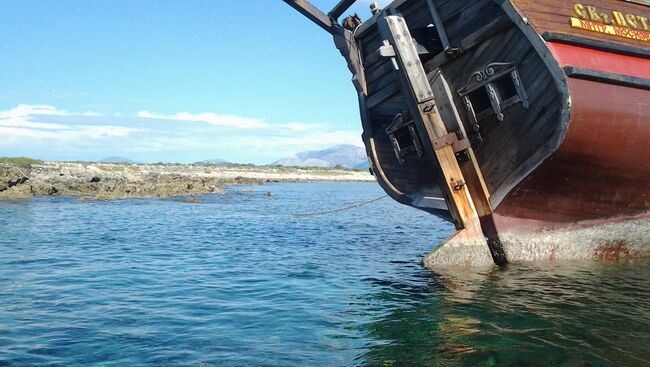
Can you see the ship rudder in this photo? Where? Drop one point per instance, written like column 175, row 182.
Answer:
column 466, row 248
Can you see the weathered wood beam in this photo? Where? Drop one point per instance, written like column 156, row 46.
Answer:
column 455, row 181
column 440, row 28
column 340, row 8
column 314, row 14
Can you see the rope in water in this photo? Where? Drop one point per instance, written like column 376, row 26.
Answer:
column 339, row 209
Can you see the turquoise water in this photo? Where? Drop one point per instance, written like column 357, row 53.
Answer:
column 236, row 280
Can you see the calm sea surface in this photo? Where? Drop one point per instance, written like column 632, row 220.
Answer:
column 237, row 280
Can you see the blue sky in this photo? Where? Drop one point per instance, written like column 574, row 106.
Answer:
column 173, row 81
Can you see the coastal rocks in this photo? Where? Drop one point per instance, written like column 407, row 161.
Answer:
column 106, row 181
column 13, row 175
column 12, row 181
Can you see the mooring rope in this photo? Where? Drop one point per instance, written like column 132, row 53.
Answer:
column 339, row 209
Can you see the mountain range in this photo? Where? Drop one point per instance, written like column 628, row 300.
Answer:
column 116, row 159
column 349, row 156
column 345, row 155
column 213, row 161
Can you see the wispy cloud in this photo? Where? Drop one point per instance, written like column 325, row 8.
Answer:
column 26, row 121
column 26, row 110
column 208, row 117
column 20, row 116
column 79, row 132
column 48, row 132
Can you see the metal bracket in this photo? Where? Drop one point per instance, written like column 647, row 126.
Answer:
column 453, row 52
column 428, row 107
column 452, row 139
column 387, row 50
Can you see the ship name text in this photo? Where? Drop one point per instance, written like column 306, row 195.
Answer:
column 615, row 23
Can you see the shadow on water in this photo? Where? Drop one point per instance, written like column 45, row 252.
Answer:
column 560, row 314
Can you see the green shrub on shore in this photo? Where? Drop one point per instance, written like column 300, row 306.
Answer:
column 19, row 160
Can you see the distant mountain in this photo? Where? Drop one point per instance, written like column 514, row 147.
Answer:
column 115, row 159
column 213, row 161
column 349, row 156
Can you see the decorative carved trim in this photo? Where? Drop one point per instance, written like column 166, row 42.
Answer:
column 472, row 118
column 481, row 77
column 489, row 78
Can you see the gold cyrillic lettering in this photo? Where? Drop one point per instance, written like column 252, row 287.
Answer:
column 619, row 18
column 593, row 14
column 580, row 11
column 631, row 20
column 605, row 18
column 644, row 22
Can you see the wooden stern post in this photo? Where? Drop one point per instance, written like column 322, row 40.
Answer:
column 458, row 185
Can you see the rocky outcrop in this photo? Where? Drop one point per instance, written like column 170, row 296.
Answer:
column 12, row 178
column 118, row 181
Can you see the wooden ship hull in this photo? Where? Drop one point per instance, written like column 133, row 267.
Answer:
column 522, row 122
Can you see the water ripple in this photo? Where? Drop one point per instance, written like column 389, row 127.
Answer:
column 238, row 280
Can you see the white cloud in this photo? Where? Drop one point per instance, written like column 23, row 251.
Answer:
column 16, row 132
column 23, row 122
column 105, row 131
column 24, row 110
column 26, row 122
column 80, row 132
column 20, row 116
column 208, row 117
column 23, row 116
column 46, row 131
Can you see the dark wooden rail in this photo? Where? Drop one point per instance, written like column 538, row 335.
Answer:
column 329, row 21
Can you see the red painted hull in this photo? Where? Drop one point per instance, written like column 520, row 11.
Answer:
column 601, row 172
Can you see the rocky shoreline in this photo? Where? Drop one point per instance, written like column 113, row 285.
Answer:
column 109, row 181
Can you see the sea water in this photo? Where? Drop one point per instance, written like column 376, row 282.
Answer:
column 240, row 280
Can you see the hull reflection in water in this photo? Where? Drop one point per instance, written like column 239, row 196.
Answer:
column 558, row 314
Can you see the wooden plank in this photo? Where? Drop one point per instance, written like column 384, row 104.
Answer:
column 442, row 34
column 385, row 80
column 453, row 8
column 477, row 37
column 383, row 94
column 340, row 8
column 312, row 13
column 471, row 18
